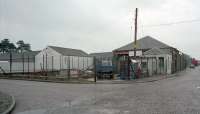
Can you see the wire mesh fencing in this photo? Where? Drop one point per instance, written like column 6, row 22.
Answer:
column 68, row 67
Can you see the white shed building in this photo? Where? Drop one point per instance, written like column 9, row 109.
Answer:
column 54, row 58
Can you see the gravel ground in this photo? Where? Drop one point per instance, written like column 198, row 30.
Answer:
column 176, row 95
column 5, row 102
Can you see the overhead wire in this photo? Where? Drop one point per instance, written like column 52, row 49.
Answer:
column 171, row 23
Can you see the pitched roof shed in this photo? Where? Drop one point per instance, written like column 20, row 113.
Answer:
column 146, row 42
column 69, row 51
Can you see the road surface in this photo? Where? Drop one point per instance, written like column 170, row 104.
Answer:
column 180, row 95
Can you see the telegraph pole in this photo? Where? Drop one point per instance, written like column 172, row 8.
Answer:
column 134, row 45
column 135, row 37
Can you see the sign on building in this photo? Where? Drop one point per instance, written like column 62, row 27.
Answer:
column 138, row 53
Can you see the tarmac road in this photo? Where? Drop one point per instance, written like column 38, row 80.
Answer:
column 180, row 95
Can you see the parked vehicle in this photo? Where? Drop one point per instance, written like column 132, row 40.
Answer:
column 104, row 70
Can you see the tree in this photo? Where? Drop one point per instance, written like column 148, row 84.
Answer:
column 6, row 46
column 20, row 45
column 23, row 47
column 27, row 47
column 12, row 47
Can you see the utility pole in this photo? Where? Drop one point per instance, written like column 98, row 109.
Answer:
column 135, row 37
column 134, row 45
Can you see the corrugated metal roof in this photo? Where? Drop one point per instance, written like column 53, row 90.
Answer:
column 156, row 51
column 69, row 51
column 18, row 57
column 146, row 42
column 103, row 54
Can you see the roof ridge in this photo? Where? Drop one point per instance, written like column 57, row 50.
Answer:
column 145, row 42
column 101, row 52
column 64, row 47
column 68, row 51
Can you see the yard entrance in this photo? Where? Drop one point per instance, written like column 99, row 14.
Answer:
column 139, row 67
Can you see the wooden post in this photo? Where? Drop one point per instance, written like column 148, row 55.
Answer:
column 135, row 37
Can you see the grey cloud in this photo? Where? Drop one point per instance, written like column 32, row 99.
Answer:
column 97, row 25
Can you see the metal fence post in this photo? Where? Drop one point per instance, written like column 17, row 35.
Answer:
column 95, row 77
column 34, row 64
column 72, row 62
column 156, row 66
column 78, row 68
column 128, row 65
column 87, row 63
column 166, row 66
column 43, row 63
column 60, row 63
column 52, row 63
column 180, row 63
column 78, row 63
column 83, row 64
column 10, row 62
column 69, row 68
column 152, row 66
column 46, row 64
column 28, row 64
column 147, row 66
column 141, row 68
column 23, row 62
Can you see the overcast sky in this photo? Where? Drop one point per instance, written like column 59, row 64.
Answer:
column 96, row 26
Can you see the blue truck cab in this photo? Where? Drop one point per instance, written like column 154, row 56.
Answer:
column 104, row 69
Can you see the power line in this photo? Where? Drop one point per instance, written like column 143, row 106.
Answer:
column 171, row 23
